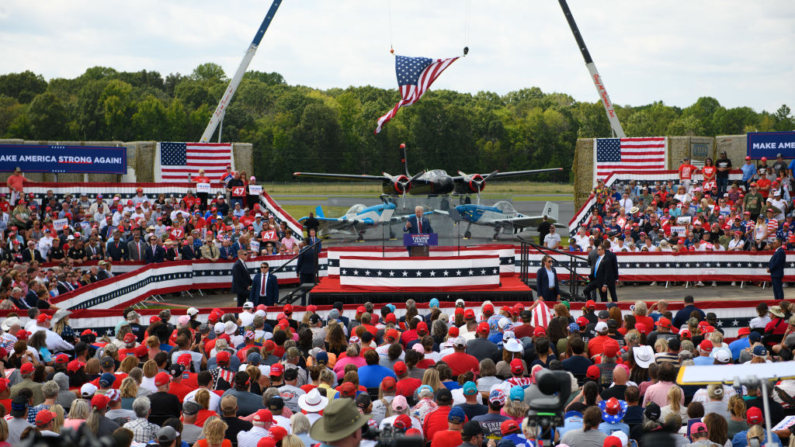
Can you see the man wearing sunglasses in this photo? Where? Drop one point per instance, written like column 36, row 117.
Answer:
column 264, row 288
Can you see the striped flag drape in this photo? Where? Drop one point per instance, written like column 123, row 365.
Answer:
column 630, row 154
column 415, row 76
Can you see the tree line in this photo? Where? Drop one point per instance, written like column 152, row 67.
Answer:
column 294, row 127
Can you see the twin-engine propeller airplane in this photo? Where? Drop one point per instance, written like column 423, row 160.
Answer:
column 501, row 216
column 357, row 219
column 434, row 182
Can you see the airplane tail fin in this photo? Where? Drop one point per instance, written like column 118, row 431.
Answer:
column 551, row 211
column 319, row 212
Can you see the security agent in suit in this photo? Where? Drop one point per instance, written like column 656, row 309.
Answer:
column 776, row 269
column 155, row 254
column 241, row 280
column 306, row 264
column 603, row 275
column 267, row 295
column 548, row 286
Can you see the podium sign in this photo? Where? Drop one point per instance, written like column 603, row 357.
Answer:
column 420, row 240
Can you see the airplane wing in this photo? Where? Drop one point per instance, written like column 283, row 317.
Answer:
column 363, row 177
column 460, row 178
column 550, row 210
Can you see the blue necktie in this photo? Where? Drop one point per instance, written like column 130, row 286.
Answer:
column 596, row 269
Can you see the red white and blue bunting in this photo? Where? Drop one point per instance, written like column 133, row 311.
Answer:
column 377, row 274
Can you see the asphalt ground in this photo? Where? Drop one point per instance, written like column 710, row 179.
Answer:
column 627, row 293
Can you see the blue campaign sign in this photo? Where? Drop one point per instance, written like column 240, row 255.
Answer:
column 63, row 159
column 769, row 144
column 420, row 240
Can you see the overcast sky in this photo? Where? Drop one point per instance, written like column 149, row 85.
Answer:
column 740, row 52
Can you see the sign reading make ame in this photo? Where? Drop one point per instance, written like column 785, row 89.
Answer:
column 770, row 144
column 63, row 159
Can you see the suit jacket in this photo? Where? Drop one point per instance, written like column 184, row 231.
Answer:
column 90, row 252
column 306, row 262
column 415, row 229
column 312, row 240
column 188, row 253
column 20, row 303
column 777, row 262
column 241, row 279
column 271, row 290
column 156, row 256
column 614, row 261
column 115, row 252
column 542, row 282
column 132, row 249
column 102, row 274
column 27, row 257
column 605, row 275
column 225, row 252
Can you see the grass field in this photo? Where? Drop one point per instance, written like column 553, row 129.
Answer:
column 321, row 189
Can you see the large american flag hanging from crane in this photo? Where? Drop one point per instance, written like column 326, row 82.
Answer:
column 415, row 76
column 177, row 160
column 629, row 155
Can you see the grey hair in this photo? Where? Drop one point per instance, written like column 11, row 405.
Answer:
column 50, row 389
column 141, row 407
column 268, row 394
column 640, row 308
column 300, row 423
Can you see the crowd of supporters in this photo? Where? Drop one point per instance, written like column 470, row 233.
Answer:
column 684, row 215
column 77, row 229
column 444, row 379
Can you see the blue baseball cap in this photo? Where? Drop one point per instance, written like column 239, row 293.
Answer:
column 755, row 336
column 425, row 388
column 574, row 327
column 760, row 351
column 517, row 393
column 106, row 380
column 456, row 416
column 322, row 357
column 470, row 389
column 433, row 303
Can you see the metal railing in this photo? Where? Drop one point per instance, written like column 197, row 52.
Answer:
column 571, row 265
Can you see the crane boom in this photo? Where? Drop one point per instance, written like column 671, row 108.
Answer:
column 220, row 111
column 618, row 131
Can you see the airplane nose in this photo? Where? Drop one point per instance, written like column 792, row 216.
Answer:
column 445, row 185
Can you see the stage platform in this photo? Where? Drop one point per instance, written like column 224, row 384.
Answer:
column 329, row 290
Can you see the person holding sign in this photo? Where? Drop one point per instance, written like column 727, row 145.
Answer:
column 254, row 191
column 237, row 190
column 202, row 189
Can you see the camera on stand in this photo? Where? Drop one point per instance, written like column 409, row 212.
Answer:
column 547, row 399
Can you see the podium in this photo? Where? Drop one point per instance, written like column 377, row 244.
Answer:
column 419, row 244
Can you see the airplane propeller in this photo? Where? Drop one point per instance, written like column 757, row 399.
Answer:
column 477, row 181
column 403, row 183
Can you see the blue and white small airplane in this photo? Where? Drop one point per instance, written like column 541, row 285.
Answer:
column 356, row 219
column 500, row 216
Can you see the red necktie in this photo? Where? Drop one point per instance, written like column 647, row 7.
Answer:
column 419, row 221
column 262, row 287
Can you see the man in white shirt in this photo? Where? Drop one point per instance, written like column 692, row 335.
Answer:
column 247, row 316
column 581, row 239
column 45, row 244
column 54, row 341
column 204, row 379
column 552, row 240
column 262, row 422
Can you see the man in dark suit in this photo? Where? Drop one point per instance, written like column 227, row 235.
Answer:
column 116, row 249
column 264, row 288
column 312, row 240
column 306, row 264
column 776, row 269
column 188, row 252
column 136, row 247
column 241, row 280
column 548, row 286
column 611, row 286
column 418, row 224
column 31, row 254
column 155, row 253
column 602, row 274
column 103, row 272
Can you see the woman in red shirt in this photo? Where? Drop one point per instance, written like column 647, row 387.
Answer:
column 709, row 170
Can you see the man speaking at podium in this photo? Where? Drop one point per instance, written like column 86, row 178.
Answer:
column 418, row 224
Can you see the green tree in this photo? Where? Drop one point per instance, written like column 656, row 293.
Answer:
column 209, row 73
column 117, row 108
column 47, row 117
column 22, row 86
column 150, row 120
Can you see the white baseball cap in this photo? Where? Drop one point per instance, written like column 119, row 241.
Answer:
column 193, row 311
column 219, row 328
column 600, row 326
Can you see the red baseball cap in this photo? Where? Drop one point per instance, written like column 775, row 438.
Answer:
column 664, row 322
column 539, row 331
column 685, row 333
column 43, row 317
column 102, row 401
column 706, row 346
column 469, row 314
column 390, row 318
column 266, row 442
column 422, row 328
column 61, row 359
column 590, row 304
column 453, row 331
column 391, row 334
column 754, row 416
column 516, row 366
column 288, row 308
column 488, row 309
column 744, row 331
column 162, row 378
column 361, row 310
column 347, row 389
column 610, row 349
column 640, row 327
column 27, row 368
column 508, row 427
column 582, row 321
column 263, row 416
column 483, row 328
column 43, row 417
column 130, row 338
column 400, row 368
column 612, row 441
column 184, row 359
column 277, row 369
column 74, row 366
column 593, row 372
column 388, row 384
column 459, row 311
column 222, row 358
